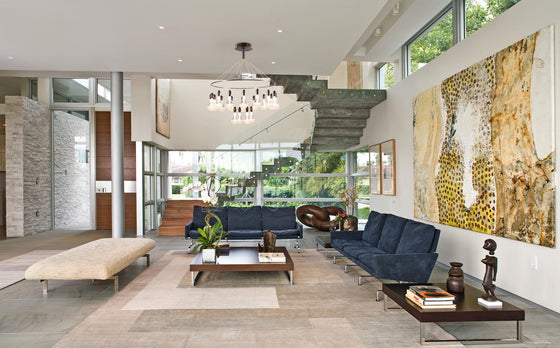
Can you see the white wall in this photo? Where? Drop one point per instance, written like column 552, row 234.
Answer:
column 192, row 127
column 393, row 119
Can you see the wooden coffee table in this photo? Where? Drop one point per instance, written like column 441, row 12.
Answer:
column 467, row 309
column 242, row 260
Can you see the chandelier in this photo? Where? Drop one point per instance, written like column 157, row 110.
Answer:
column 239, row 90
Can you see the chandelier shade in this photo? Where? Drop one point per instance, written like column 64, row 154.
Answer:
column 237, row 90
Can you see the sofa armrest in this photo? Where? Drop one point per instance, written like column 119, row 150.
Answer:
column 299, row 228
column 189, row 226
column 352, row 235
column 404, row 267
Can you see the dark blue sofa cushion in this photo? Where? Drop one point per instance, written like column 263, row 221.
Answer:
column 278, row 218
column 286, row 233
column 391, row 233
column 372, row 231
column 244, row 234
column 417, row 237
column 342, row 244
column 244, row 218
column 199, row 213
column 357, row 251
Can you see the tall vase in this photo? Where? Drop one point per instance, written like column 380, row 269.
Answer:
column 455, row 281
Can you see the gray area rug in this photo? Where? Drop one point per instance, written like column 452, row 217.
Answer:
column 13, row 270
column 324, row 308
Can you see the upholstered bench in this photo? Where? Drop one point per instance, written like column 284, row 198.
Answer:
column 101, row 259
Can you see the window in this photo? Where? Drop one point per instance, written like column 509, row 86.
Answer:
column 459, row 18
column 480, row 12
column 386, row 76
column 432, row 41
column 70, row 90
column 104, row 91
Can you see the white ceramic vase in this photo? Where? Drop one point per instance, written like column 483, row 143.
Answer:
column 209, row 255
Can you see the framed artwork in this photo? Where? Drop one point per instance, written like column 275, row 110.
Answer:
column 388, row 182
column 162, row 106
column 484, row 145
column 374, row 169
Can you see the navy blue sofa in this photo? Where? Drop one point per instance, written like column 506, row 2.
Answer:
column 245, row 223
column 391, row 247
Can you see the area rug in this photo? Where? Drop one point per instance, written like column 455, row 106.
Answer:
column 324, row 308
column 13, row 270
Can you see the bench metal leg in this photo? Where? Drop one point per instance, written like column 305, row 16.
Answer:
column 116, row 279
column 45, row 286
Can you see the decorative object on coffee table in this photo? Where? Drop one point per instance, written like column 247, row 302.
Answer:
column 491, row 262
column 455, row 281
column 269, row 242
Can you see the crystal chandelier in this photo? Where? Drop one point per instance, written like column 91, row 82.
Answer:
column 239, row 90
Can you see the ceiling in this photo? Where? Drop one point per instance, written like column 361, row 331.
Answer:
column 61, row 38
column 124, row 35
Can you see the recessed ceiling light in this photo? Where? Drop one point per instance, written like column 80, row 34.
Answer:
column 179, row 60
column 279, row 30
column 273, row 62
column 10, row 57
column 161, row 27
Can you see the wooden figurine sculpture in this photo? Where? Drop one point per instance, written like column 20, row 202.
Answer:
column 491, row 263
column 269, row 242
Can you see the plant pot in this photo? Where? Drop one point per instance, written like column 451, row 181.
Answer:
column 208, row 255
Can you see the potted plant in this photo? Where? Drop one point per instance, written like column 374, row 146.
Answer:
column 349, row 196
column 210, row 238
column 210, row 234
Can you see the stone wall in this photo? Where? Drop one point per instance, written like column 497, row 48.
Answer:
column 71, row 172
column 28, row 167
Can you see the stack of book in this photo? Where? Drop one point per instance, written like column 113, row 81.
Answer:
column 430, row 297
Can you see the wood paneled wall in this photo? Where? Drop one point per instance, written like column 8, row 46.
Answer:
column 103, row 170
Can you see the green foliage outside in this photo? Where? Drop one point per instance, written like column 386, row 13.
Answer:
column 439, row 38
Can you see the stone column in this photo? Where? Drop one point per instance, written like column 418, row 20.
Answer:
column 28, row 167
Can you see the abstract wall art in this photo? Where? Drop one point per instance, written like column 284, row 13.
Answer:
column 162, row 106
column 484, row 145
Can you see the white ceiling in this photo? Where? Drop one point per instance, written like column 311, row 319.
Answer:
column 80, row 38
column 124, row 35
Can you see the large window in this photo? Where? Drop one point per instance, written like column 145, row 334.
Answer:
column 431, row 42
column 86, row 91
column 459, row 19
column 480, row 12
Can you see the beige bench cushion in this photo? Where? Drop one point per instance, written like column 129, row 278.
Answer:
column 100, row 259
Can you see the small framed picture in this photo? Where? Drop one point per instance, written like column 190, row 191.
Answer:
column 374, row 169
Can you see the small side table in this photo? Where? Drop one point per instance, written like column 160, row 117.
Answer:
column 325, row 243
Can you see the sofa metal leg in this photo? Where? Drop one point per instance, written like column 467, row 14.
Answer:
column 45, row 286
column 377, row 294
column 334, row 259
column 190, row 244
column 363, row 276
column 346, row 268
column 297, row 246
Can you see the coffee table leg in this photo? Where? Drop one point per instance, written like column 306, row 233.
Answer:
column 194, row 276
column 291, row 277
column 422, row 334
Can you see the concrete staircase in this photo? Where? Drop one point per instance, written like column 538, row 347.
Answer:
column 177, row 214
column 342, row 114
